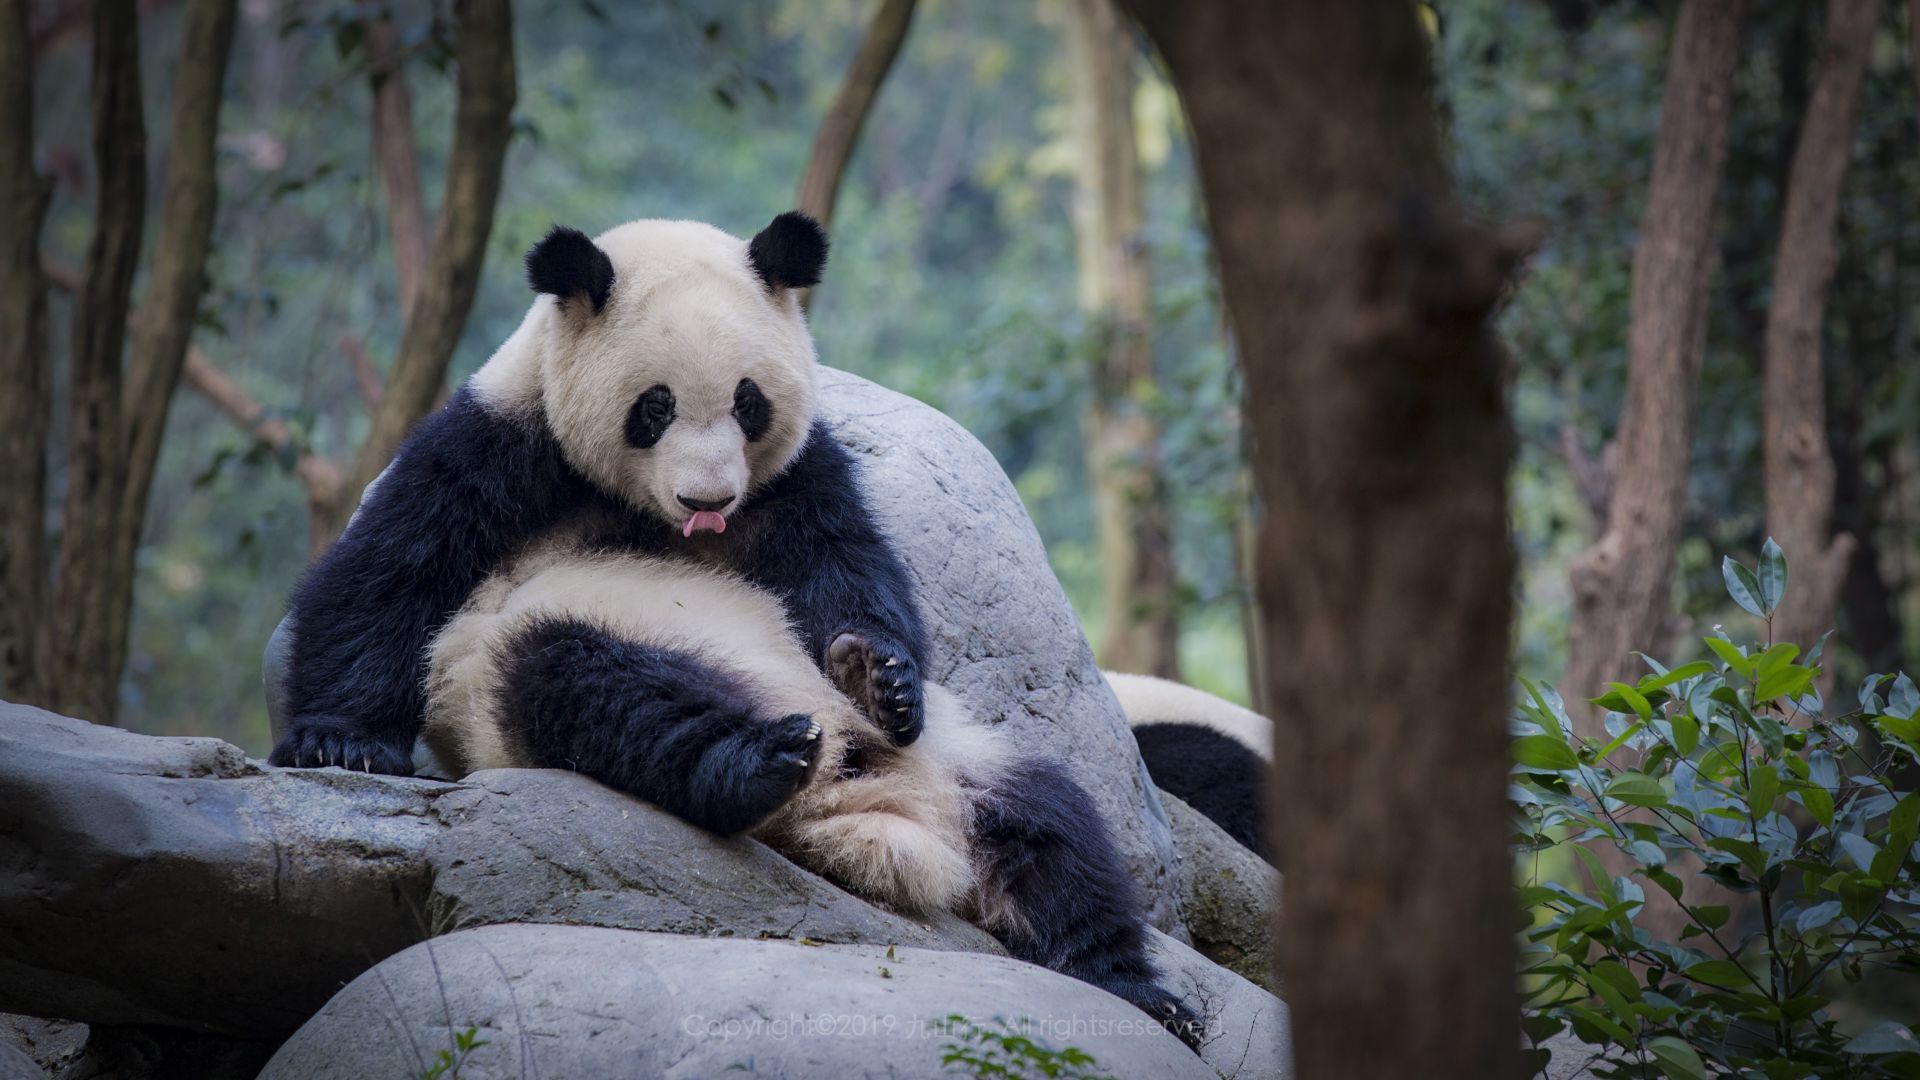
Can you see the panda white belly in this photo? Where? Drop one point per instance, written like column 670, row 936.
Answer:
column 895, row 829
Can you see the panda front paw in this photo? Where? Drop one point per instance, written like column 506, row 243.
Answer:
column 880, row 677
column 317, row 742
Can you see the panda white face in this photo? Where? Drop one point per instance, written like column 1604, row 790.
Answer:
column 676, row 370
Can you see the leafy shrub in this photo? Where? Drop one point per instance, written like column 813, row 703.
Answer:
column 1007, row 1054
column 1731, row 771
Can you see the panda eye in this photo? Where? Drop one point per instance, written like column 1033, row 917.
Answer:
column 649, row 417
column 752, row 409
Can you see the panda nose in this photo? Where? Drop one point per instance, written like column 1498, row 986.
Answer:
column 714, row 505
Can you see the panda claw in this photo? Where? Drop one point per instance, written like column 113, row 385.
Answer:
column 893, row 661
column 368, row 762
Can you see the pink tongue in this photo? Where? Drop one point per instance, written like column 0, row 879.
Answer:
column 704, row 519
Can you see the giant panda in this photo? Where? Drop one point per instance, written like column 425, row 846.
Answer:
column 1211, row 753
column 627, row 547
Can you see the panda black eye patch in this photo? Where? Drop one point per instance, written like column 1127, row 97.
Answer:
column 649, row 417
column 752, row 409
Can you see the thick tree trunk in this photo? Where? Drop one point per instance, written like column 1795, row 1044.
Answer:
column 483, row 48
column 840, row 129
column 1623, row 583
column 1133, row 525
column 27, row 401
column 84, row 683
column 397, row 157
column 1375, row 395
column 175, row 281
column 1799, row 463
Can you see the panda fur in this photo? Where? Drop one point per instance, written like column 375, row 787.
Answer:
column 650, row 431
column 1214, row 755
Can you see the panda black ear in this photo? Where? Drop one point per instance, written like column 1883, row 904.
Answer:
column 789, row 253
column 568, row 264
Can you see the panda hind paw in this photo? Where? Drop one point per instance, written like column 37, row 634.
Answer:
column 880, row 676
column 320, row 743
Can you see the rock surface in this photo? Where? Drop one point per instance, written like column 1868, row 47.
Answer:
column 1005, row 639
column 538, row 845
column 1227, row 894
column 1246, row 1026
column 559, row 1001
column 174, row 882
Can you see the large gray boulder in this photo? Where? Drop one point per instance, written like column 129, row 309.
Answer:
column 565, row 1001
column 538, row 845
column 1005, row 639
column 174, row 882
column 1247, row 1033
column 1227, row 894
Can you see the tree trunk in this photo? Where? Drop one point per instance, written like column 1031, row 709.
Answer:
column 1799, row 464
column 27, row 401
column 840, row 129
column 1623, row 584
column 175, row 281
column 1132, row 521
column 83, row 683
column 482, row 126
column 1375, row 395
column 397, row 157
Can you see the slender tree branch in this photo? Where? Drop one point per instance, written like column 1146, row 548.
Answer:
column 482, row 127
column 27, row 401
column 321, row 476
column 840, row 129
column 397, row 156
column 1800, row 473
column 175, row 282
column 96, row 465
column 365, row 378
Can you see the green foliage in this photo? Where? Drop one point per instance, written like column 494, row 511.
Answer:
column 449, row 1061
column 1732, row 772
column 1005, row 1053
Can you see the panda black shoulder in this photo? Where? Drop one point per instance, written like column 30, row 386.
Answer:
column 1212, row 772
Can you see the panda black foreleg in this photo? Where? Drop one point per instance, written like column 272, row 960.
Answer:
column 661, row 724
column 843, row 584
column 1056, row 891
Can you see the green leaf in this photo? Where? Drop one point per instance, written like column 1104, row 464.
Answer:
column 1730, row 653
column 1817, row 916
column 1774, row 658
column 1859, row 896
column 1743, row 587
column 1887, row 1038
column 1634, row 699
column 1676, row 1058
column 1686, row 734
column 1819, row 803
column 1746, row 851
column 1680, row 674
column 1722, row 973
column 1620, row 740
column 1712, row 916
column 1773, row 574
column 1544, row 752
column 1905, row 817
column 1637, row 789
column 1788, row 682
column 1762, row 789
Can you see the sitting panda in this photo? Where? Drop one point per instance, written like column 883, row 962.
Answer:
column 1211, row 753
column 626, row 547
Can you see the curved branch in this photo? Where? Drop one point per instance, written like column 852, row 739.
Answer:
column 397, row 157
column 482, row 127
column 840, row 129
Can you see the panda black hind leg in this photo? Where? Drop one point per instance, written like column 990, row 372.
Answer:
column 658, row 723
column 1056, row 892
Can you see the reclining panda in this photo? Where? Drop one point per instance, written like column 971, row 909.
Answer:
column 626, row 548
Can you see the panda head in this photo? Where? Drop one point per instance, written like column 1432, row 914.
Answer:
column 676, row 370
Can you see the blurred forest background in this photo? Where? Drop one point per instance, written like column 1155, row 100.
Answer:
column 957, row 278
